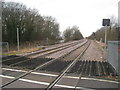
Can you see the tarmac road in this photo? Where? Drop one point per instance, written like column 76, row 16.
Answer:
column 41, row 80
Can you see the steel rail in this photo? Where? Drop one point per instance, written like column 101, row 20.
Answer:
column 66, row 70
column 80, row 75
column 41, row 66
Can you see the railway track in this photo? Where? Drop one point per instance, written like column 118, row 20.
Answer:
column 17, row 60
column 81, row 68
column 52, row 84
column 45, row 64
column 41, row 51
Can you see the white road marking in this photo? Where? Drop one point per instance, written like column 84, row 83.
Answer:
column 65, row 86
column 84, row 88
column 38, row 73
column 99, row 80
column 38, row 82
column 54, row 75
column 71, row 77
column 46, row 74
column 32, row 81
column 6, row 76
column 8, row 69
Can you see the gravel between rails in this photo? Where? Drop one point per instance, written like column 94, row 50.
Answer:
column 55, row 46
column 55, row 50
column 74, row 54
column 37, row 51
column 93, row 53
column 62, row 52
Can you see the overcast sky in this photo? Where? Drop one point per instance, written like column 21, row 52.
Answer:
column 87, row 14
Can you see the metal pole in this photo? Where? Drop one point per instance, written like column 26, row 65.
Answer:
column 7, row 47
column 105, row 43
column 106, row 38
column 18, row 39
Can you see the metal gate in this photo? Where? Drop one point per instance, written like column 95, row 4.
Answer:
column 113, row 55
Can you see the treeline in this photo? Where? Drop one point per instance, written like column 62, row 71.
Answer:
column 31, row 25
column 113, row 32
column 72, row 33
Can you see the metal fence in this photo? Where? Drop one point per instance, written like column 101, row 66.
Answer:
column 113, row 55
column 5, row 47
